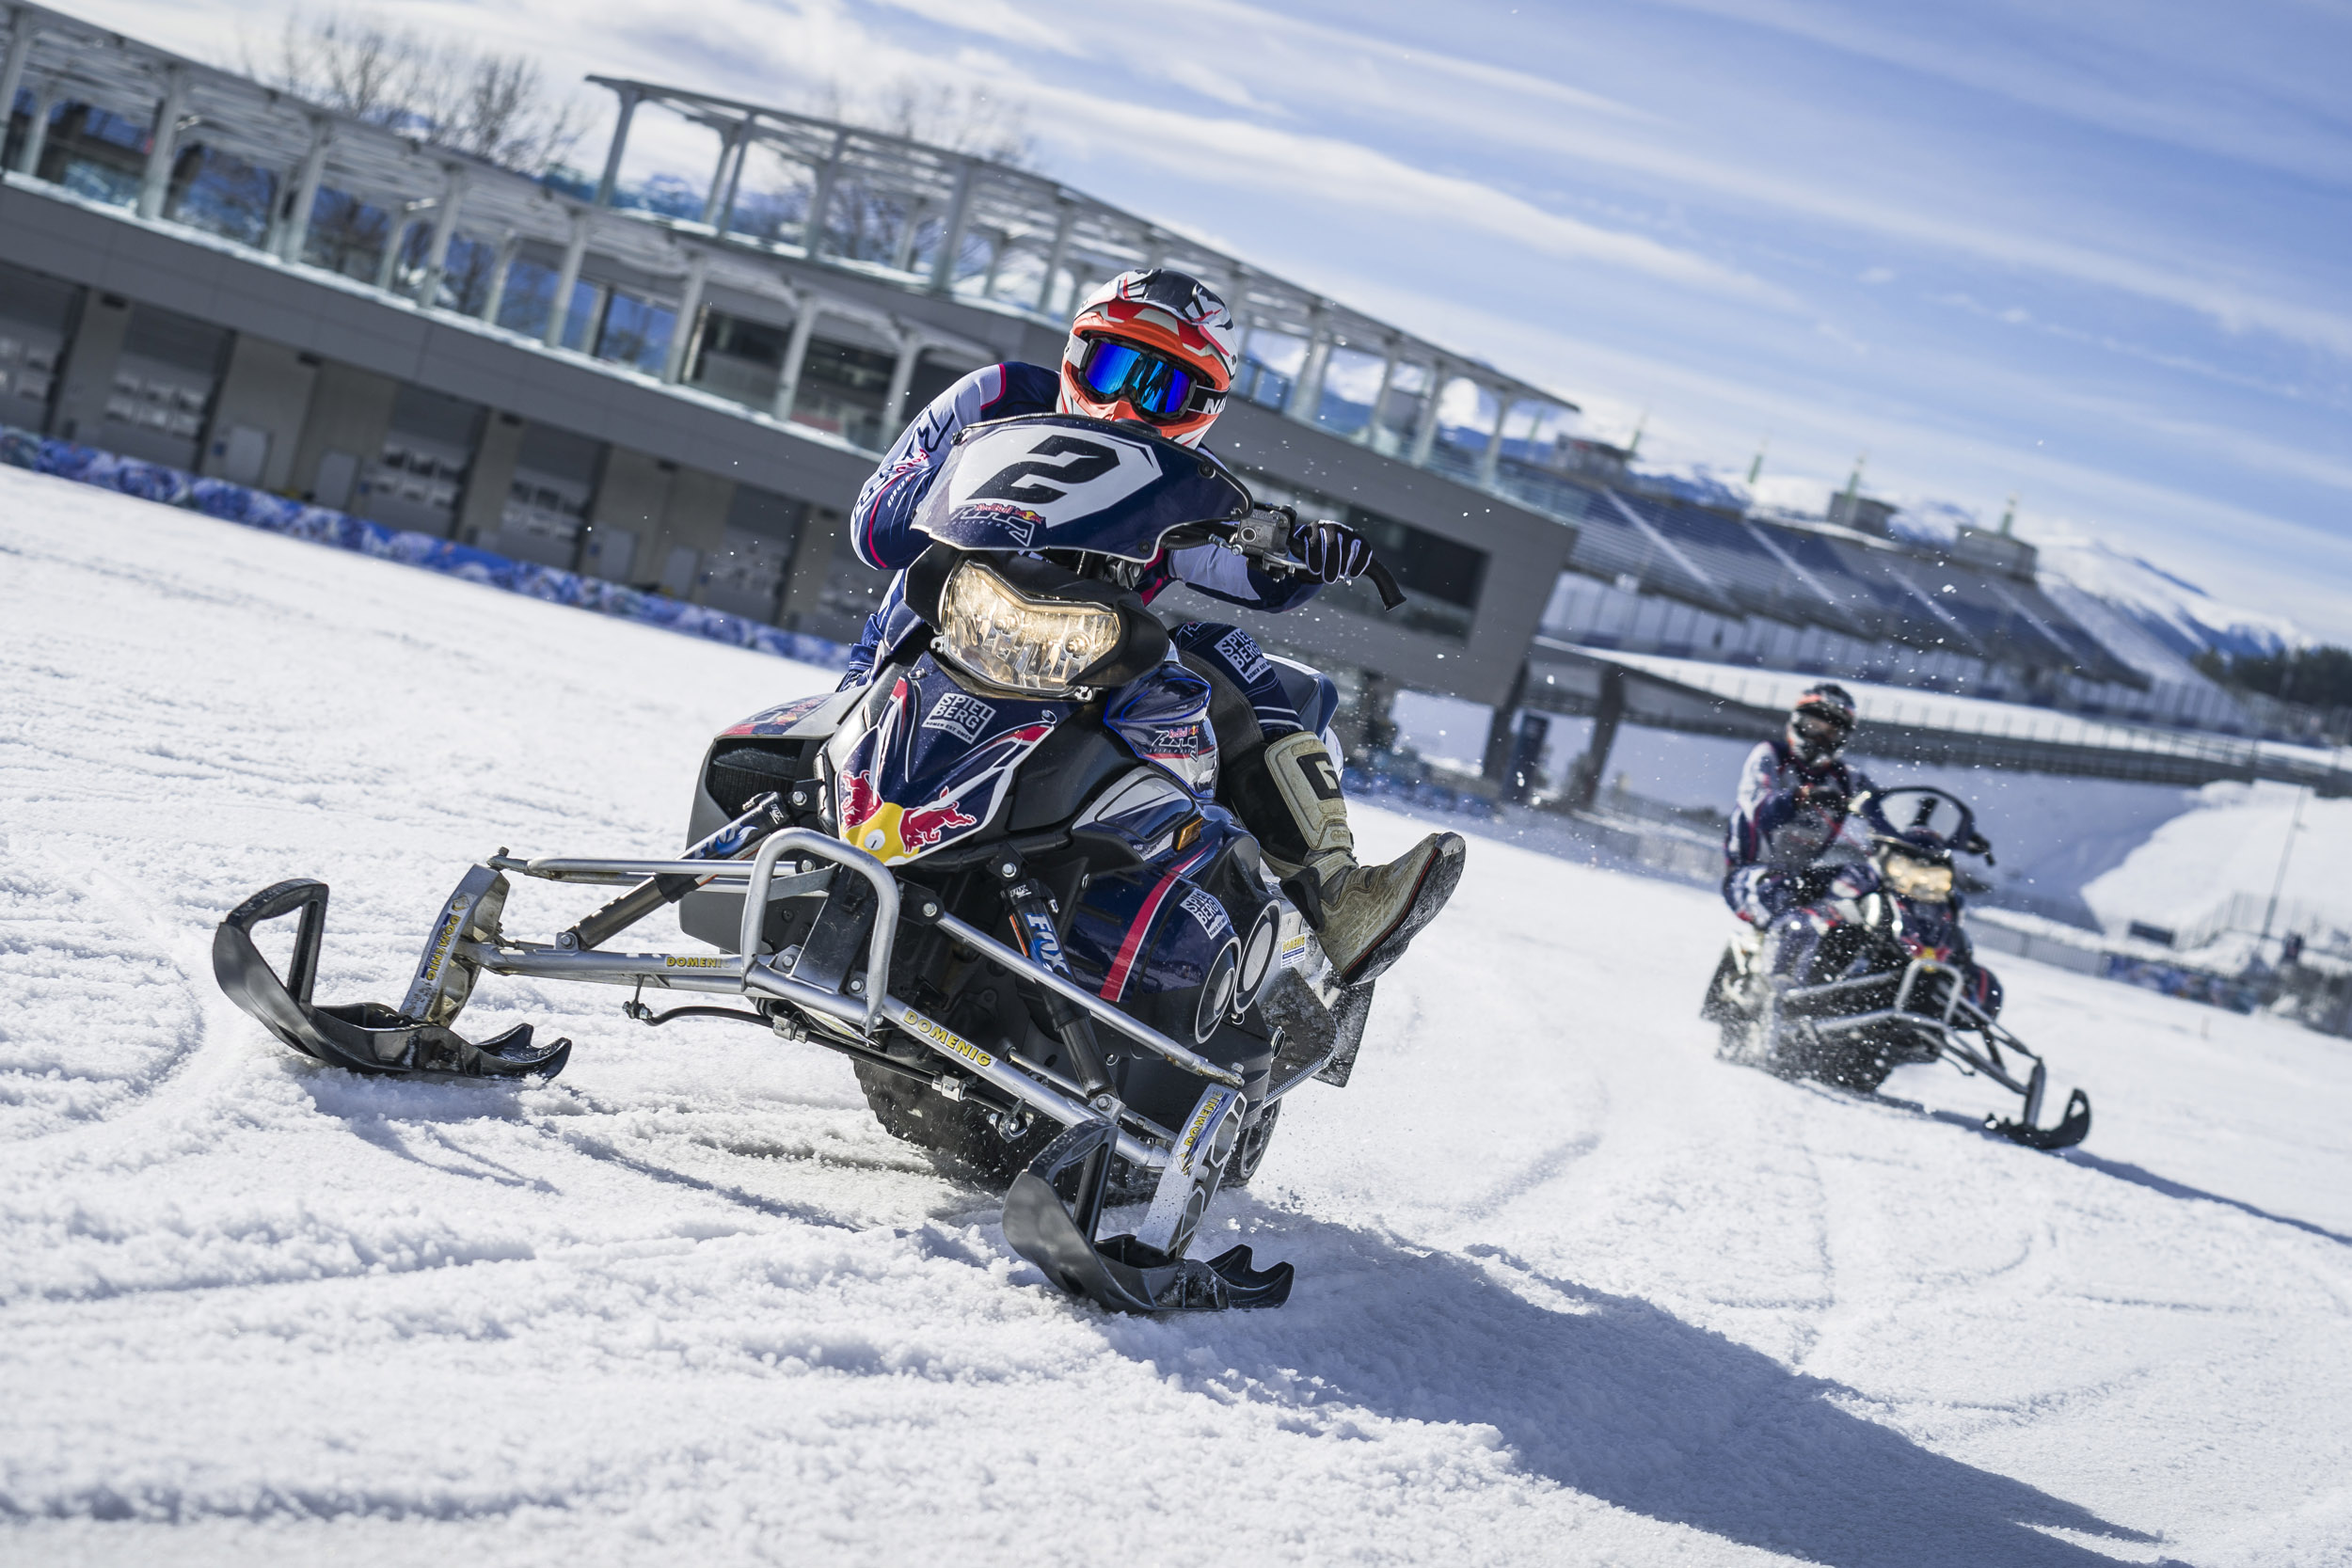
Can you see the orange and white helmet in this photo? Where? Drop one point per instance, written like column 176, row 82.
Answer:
column 1156, row 346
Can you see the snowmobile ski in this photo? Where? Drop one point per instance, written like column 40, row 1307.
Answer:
column 1122, row 1274
column 361, row 1037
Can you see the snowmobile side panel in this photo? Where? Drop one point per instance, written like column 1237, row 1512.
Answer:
column 802, row 717
column 1163, row 716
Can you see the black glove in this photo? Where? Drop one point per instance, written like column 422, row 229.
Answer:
column 1333, row 551
column 1829, row 794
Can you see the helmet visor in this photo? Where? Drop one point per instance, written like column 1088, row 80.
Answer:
column 1819, row 732
column 1158, row 387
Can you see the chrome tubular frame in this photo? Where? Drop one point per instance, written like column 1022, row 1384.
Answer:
column 1142, row 1034
column 1959, row 1015
column 753, row 972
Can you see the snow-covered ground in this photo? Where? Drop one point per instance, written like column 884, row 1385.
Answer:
column 1570, row 1290
column 2235, row 845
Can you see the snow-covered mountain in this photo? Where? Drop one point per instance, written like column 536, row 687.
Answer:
column 2173, row 610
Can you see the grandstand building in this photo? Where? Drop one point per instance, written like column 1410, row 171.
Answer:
column 681, row 382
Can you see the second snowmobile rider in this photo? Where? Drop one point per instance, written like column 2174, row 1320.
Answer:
column 1795, row 792
column 1158, row 348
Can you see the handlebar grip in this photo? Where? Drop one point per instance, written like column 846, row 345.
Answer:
column 1384, row 580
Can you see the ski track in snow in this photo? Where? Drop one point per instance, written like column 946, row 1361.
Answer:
column 1569, row 1289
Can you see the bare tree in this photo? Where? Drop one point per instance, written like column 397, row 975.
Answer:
column 499, row 107
column 963, row 119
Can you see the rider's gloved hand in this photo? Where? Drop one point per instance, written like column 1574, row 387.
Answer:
column 1854, row 881
column 1827, row 792
column 1333, row 551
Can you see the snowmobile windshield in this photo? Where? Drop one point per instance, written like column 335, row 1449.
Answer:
column 1928, row 882
column 1065, row 482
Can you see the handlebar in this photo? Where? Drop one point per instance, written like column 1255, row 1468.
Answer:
column 1259, row 538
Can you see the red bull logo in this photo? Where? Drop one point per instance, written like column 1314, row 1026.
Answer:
column 923, row 826
column 860, row 799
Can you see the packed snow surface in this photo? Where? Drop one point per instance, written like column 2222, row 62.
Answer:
column 1570, row 1290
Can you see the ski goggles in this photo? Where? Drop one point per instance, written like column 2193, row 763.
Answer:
column 1155, row 385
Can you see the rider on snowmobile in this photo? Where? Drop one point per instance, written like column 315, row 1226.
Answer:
column 1795, row 792
column 1157, row 348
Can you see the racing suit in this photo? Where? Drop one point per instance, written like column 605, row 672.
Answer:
column 1786, row 819
column 882, row 533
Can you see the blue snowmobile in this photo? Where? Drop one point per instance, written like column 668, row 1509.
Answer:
column 995, row 877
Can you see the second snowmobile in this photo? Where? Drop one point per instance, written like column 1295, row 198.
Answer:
column 995, row 877
column 1892, row 980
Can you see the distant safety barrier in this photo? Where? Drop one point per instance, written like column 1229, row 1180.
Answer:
column 320, row 525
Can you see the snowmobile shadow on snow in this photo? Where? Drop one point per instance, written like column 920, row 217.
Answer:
column 2140, row 1177
column 1615, row 1397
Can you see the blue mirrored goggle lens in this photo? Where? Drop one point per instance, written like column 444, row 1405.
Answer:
column 1150, row 382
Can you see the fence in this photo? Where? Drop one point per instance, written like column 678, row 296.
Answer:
column 259, row 509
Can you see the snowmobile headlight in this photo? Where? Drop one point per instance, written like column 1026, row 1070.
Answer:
column 1021, row 643
column 1930, row 881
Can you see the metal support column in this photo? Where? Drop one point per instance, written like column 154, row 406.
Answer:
column 1305, row 399
column 735, row 176
column 388, row 265
column 721, row 198
column 495, row 295
column 293, row 218
column 157, row 184
column 820, row 197
column 1494, row 767
column 795, row 355
column 20, row 55
column 567, row 278
column 37, row 133
column 689, row 309
column 909, row 230
column 1608, row 713
column 959, row 219
column 997, row 239
column 1065, row 219
column 444, row 230
column 910, row 346
column 1489, row 462
column 1369, row 436
column 620, row 140
column 1425, row 428
column 1064, row 222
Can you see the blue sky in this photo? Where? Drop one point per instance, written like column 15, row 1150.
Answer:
column 2097, row 254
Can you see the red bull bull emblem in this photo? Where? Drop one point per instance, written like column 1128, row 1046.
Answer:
column 921, row 828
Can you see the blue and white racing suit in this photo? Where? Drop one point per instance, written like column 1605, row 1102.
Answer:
column 1786, row 816
column 1786, row 819
column 882, row 533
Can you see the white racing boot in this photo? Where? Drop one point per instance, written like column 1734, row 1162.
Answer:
column 1289, row 797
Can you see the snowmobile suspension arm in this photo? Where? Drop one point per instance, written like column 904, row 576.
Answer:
column 1959, row 1015
column 817, row 845
column 1142, row 1034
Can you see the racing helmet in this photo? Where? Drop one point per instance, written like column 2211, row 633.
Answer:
column 1819, row 722
column 1156, row 346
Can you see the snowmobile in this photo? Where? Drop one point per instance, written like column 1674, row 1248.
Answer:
column 1893, row 983
column 995, row 877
